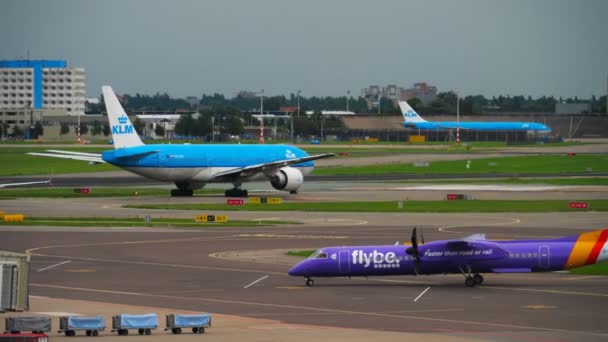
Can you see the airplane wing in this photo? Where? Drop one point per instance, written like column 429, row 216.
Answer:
column 90, row 157
column 266, row 167
column 5, row 185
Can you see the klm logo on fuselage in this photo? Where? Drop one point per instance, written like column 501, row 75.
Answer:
column 123, row 127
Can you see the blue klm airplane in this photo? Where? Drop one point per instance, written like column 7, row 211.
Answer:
column 190, row 167
column 414, row 120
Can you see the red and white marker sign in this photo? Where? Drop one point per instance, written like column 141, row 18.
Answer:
column 578, row 205
column 235, row 201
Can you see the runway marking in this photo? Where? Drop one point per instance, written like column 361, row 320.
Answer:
column 444, row 229
column 545, row 291
column 539, row 306
column 422, row 294
column 292, row 236
column 257, row 281
column 53, row 266
column 336, row 311
column 584, row 277
column 145, row 263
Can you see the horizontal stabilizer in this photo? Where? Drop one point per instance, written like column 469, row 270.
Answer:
column 5, row 185
column 91, row 159
column 75, row 153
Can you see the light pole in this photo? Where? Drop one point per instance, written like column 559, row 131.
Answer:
column 262, row 116
column 457, row 118
column 379, row 99
column 291, row 119
column 347, row 96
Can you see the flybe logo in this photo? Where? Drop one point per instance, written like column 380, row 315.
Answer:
column 123, row 127
column 410, row 114
column 375, row 258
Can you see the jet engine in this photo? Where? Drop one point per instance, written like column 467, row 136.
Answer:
column 287, row 179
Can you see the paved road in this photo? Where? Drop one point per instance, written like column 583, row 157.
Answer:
column 181, row 269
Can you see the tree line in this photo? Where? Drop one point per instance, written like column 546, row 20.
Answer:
column 444, row 102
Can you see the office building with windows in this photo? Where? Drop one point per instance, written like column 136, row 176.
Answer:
column 41, row 85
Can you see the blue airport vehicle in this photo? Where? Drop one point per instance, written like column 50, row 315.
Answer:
column 90, row 325
column 197, row 322
column 143, row 323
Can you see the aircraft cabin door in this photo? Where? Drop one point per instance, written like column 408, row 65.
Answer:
column 543, row 257
column 344, row 261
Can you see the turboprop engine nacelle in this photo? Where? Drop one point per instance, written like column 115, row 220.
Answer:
column 287, row 179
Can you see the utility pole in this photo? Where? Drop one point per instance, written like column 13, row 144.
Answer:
column 347, row 96
column 262, row 116
column 457, row 118
column 379, row 100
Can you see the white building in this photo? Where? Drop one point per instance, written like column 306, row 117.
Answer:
column 42, row 84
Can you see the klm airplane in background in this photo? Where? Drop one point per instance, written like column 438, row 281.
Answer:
column 413, row 120
column 190, row 167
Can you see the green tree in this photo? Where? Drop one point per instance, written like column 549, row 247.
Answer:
column 159, row 131
column 38, row 130
column 105, row 129
column 17, row 132
column 96, row 129
column 139, row 126
column 64, row 129
column 233, row 125
column 186, row 125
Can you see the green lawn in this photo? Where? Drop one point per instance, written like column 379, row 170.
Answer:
column 135, row 222
column 515, row 181
column 15, row 162
column 472, row 206
column 303, row 253
column 595, row 269
column 525, row 164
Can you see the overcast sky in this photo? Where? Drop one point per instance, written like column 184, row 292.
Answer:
column 324, row 47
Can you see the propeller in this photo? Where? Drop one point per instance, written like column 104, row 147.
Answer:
column 413, row 251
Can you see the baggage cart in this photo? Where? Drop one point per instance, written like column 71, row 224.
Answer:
column 198, row 323
column 35, row 324
column 90, row 325
column 143, row 323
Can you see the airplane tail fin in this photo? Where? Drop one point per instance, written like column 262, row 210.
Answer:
column 409, row 114
column 123, row 132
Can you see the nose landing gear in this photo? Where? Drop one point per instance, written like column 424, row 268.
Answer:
column 309, row 282
column 471, row 279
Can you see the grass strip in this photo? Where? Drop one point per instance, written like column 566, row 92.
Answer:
column 595, row 269
column 513, row 181
column 471, row 206
column 521, row 164
column 136, row 222
column 303, row 253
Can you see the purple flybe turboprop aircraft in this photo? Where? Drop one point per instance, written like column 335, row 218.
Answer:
column 470, row 256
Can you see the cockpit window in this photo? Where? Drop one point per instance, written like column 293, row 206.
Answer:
column 318, row 255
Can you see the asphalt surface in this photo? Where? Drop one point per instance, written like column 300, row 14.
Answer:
column 242, row 271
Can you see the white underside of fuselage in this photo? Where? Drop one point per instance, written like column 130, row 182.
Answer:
column 196, row 174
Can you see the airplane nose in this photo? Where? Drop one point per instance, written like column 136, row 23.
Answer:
column 298, row 270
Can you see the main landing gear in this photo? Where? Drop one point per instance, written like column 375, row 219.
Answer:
column 309, row 282
column 183, row 190
column 471, row 279
column 236, row 192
